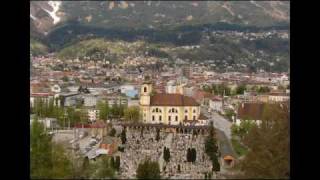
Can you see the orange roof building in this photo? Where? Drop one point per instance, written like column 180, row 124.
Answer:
column 171, row 109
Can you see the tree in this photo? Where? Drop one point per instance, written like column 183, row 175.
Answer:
column 117, row 164
column 193, row 155
column 242, row 129
column 158, row 135
column 65, row 79
column 47, row 159
column 40, row 151
column 264, row 89
column 241, row 88
column 269, row 145
column 123, row 136
column 62, row 167
column 188, row 155
column 112, row 162
column 148, row 170
column 115, row 110
column 103, row 169
column 166, row 154
column 132, row 114
column 215, row 165
column 112, row 132
column 211, row 148
column 104, row 109
column 84, row 173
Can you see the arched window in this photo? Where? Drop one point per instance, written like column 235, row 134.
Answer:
column 186, row 111
column 145, row 89
column 176, row 118
column 169, row 118
column 156, row 110
column 185, row 117
column 152, row 118
column 173, row 110
column 160, row 118
column 194, row 110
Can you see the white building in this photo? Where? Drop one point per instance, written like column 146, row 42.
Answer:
column 93, row 114
column 216, row 104
column 278, row 97
column 90, row 100
column 125, row 88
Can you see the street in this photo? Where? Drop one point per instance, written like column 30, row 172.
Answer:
column 219, row 122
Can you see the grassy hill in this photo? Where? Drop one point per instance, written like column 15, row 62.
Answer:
column 38, row 48
column 100, row 49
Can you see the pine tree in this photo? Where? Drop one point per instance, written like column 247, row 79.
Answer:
column 117, row 167
column 112, row 132
column 112, row 162
column 188, row 155
column 148, row 170
column 194, row 154
column 123, row 136
column 158, row 135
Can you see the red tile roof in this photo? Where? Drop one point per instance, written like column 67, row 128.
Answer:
column 172, row 100
column 253, row 111
column 198, row 95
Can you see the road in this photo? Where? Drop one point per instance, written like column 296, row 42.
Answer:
column 167, row 144
column 219, row 122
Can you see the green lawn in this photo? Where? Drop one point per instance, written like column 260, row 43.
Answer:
column 238, row 148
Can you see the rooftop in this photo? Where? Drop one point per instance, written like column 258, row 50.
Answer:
column 172, row 100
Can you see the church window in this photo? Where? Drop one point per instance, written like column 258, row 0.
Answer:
column 176, row 118
column 152, row 118
column 169, row 118
column 160, row 118
column 145, row 89
column 186, row 111
column 194, row 110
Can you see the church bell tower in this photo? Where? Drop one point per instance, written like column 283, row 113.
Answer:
column 145, row 92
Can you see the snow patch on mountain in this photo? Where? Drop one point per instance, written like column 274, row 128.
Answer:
column 55, row 6
column 32, row 17
column 228, row 9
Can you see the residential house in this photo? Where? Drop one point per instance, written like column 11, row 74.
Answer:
column 202, row 97
column 216, row 103
column 90, row 100
column 44, row 96
column 252, row 111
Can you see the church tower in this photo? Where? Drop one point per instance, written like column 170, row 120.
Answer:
column 145, row 93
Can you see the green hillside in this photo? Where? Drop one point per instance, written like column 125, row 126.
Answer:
column 38, row 48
